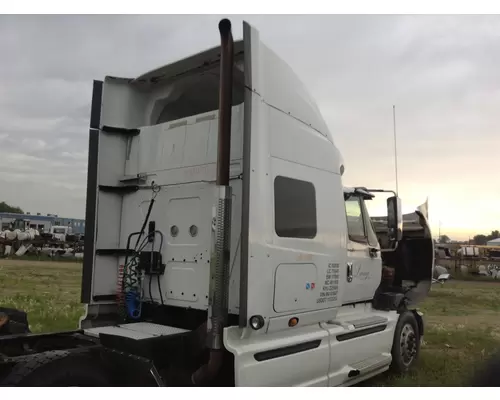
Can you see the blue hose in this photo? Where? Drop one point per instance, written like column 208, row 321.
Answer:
column 133, row 303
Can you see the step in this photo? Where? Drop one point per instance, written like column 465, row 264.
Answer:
column 367, row 322
column 359, row 323
column 370, row 364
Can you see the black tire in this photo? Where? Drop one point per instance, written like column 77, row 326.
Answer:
column 57, row 369
column 406, row 344
column 14, row 321
column 487, row 374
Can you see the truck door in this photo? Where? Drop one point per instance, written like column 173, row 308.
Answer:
column 364, row 266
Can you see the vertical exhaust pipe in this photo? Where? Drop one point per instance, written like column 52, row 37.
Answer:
column 219, row 267
column 225, row 102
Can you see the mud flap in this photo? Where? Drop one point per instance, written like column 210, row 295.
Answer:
column 143, row 369
column 420, row 321
column 132, row 355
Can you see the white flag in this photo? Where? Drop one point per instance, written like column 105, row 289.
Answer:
column 424, row 209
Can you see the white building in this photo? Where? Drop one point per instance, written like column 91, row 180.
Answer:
column 494, row 242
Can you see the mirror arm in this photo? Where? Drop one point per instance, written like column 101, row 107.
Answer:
column 389, row 250
column 381, row 191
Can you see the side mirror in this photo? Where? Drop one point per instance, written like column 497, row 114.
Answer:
column 394, row 219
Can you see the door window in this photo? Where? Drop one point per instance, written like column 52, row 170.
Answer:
column 359, row 224
column 369, row 229
column 355, row 221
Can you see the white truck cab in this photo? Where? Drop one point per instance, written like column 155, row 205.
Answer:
column 218, row 226
column 60, row 232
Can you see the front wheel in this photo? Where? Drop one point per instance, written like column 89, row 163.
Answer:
column 406, row 344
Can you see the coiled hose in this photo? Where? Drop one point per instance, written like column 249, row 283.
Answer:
column 134, row 304
column 131, row 288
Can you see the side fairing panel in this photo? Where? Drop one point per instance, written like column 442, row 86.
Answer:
column 286, row 137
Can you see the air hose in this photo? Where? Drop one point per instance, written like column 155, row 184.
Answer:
column 133, row 302
column 130, row 284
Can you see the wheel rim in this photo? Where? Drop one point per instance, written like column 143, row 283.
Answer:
column 408, row 344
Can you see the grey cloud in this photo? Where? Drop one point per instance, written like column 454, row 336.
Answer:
column 441, row 72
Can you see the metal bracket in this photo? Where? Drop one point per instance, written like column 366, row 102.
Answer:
column 113, row 252
column 122, row 131
column 119, row 189
column 139, row 178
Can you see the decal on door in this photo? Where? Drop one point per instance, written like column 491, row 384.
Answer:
column 360, row 274
column 330, row 288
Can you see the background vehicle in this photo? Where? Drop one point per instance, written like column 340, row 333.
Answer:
column 60, row 232
column 221, row 247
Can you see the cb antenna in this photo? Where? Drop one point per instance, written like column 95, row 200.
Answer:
column 395, row 148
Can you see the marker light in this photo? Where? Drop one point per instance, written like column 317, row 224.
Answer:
column 256, row 322
column 293, row 322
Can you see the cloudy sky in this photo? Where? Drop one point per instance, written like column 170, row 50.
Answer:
column 441, row 72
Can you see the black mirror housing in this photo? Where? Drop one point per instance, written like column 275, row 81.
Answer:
column 394, row 219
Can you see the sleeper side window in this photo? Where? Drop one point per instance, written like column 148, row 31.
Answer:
column 294, row 208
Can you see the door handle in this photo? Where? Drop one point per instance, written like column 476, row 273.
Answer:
column 349, row 272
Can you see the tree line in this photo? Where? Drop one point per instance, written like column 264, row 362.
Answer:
column 478, row 240
column 4, row 207
column 483, row 239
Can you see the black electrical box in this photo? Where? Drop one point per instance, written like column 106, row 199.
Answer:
column 151, row 263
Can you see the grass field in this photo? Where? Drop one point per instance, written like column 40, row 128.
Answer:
column 462, row 318
column 48, row 291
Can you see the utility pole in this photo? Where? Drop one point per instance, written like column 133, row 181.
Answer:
column 395, row 148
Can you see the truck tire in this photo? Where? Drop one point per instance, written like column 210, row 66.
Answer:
column 406, row 344
column 57, row 369
column 487, row 374
column 13, row 321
